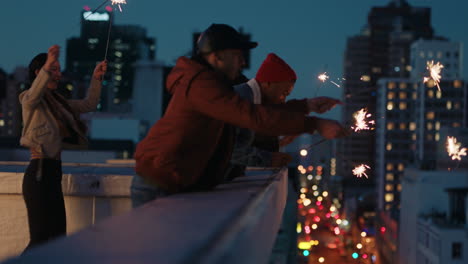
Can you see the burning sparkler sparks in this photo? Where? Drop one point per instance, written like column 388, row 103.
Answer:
column 434, row 70
column 118, row 3
column 453, row 149
column 362, row 122
column 323, row 77
column 360, row 170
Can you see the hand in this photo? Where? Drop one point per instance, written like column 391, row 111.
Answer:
column 52, row 57
column 322, row 104
column 100, row 70
column 286, row 140
column 331, row 129
column 280, row 159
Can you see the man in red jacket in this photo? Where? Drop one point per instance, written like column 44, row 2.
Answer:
column 189, row 148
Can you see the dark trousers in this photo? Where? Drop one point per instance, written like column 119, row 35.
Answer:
column 43, row 195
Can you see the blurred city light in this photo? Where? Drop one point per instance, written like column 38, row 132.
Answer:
column 355, row 255
column 321, row 259
column 363, row 234
column 303, row 152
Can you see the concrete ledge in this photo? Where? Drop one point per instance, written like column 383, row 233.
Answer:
column 235, row 223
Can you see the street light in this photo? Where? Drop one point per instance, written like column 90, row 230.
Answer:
column 303, row 152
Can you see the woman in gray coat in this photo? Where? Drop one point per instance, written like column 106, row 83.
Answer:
column 50, row 123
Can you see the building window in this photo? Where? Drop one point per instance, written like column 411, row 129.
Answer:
column 389, row 197
column 401, row 167
column 390, row 106
column 457, row 84
column 365, row 78
column 413, row 137
column 429, row 137
column 456, row 124
column 403, row 85
column 409, row 68
column 430, row 115
column 376, row 70
column 402, row 126
column 439, row 94
column 389, row 177
column 430, row 54
column 437, row 136
column 388, row 187
column 389, row 146
column 415, row 95
column 391, row 85
column 390, row 126
column 2, row 122
column 429, row 126
column 399, row 187
column 412, row 126
column 402, row 106
column 422, row 55
column 449, row 105
column 430, row 94
column 402, row 95
column 456, row 105
column 390, row 95
column 437, row 126
column 457, row 250
column 439, row 54
column 389, row 166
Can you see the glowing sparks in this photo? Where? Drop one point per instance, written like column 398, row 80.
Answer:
column 453, row 149
column 434, row 70
column 362, row 122
column 323, row 77
column 360, row 170
column 337, row 85
column 118, row 3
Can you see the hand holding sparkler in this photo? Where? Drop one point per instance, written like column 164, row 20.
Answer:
column 100, row 71
column 322, row 104
column 330, row 129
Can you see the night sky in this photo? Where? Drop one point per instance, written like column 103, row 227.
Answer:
column 309, row 34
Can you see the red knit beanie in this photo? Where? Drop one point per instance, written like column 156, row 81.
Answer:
column 274, row 69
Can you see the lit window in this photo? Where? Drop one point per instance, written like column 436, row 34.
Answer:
column 402, row 106
column 390, row 106
column 409, row 68
column 412, row 126
column 456, row 124
column 118, row 77
column 456, row 105
column 118, row 54
column 430, row 115
column 437, row 136
column 439, row 54
column 390, row 95
column 388, row 207
column 389, row 177
column 391, row 85
column 402, row 95
column 413, row 137
column 2, row 122
column 116, row 100
column 429, row 126
column 69, row 87
column 389, row 197
column 430, row 94
column 415, row 95
column 457, row 84
column 399, row 187
column 389, row 166
column 401, row 167
column 389, row 187
column 429, row 137
column 402, row 126
column 449, row 105
column 365, row 78
column 376, row 70
column 437, row 126
column 430, row 83
column 439, row 94
column 389, row 146
column 390, row 126
column 403, row 85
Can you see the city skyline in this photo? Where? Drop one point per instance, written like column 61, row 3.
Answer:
column 308, row 36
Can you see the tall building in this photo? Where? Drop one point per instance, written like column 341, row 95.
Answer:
column 382, row 50
column 127, row 44
column 10, row 109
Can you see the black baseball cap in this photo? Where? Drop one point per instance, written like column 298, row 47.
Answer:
column 221, row 37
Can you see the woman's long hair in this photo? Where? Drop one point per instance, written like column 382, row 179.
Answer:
column 36, row 64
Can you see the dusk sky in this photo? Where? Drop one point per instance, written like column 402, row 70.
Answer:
column 309, row 34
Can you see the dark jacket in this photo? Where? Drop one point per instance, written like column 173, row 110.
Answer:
column 191, row 145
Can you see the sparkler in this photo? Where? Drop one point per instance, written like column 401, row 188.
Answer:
column 323, row 77
column 453, row 149
column 362, row 122
column 360, row 170
column 434, row 70
column 118, row 3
